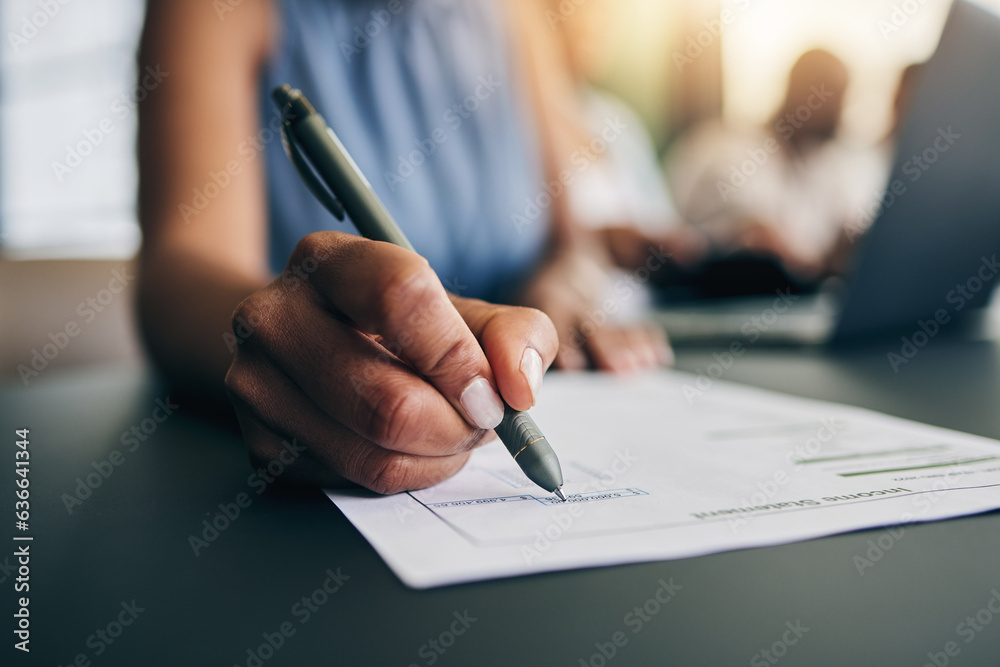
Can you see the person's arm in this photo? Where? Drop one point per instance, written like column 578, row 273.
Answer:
column 364, row 371
column 574, row 277
column 552, row 98
column 199, row 261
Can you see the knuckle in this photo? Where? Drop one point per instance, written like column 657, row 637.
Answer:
column 459, row 354
column 408, row 290
column 316, row 244
column 240, row 386
column 474, row 439
column 251, row 315
column 396, row 417
column 391, row 474
column 539, row 327
column 539, row 320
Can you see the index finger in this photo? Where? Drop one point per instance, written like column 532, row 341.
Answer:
column 393, row 292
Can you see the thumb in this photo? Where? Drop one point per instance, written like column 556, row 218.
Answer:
column 520, row 343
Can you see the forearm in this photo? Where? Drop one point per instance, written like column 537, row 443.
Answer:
column 186, row 304
column 194, row 271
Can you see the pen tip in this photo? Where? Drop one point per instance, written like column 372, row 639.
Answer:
column 559, row 492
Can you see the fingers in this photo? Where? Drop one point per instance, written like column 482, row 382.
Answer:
column 359, row 462
column 270, row 407
column 615, row 348
column 520, row 343
column 348, row 377
column 611, row 350
column 652, row 346
column 607, row 347
column 687, row 246
column 764, row 238
column 393, row 292
column 572, row 354
column 630, row 248
column 629, row 349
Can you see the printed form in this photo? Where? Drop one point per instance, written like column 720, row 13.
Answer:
column 654, row 470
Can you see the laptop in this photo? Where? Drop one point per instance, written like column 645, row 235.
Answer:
column 929, row 257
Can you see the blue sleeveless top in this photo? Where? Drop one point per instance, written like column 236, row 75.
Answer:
column 422, row 95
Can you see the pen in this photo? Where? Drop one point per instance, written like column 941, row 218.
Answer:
column 333, row 177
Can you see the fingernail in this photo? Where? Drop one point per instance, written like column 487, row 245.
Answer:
column 531, row 368
column 482, row 404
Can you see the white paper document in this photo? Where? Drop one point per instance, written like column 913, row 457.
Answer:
column 657, row 468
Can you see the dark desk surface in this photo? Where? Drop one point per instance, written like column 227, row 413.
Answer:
column 130, row 541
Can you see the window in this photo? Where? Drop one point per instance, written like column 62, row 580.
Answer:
column 67, row 127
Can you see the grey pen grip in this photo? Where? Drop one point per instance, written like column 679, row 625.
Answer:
column 329, row 157
column 531, row 451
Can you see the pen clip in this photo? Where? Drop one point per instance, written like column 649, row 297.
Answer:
column 315, row 185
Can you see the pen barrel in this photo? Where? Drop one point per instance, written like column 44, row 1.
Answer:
column 332, row 161
column 531, row 451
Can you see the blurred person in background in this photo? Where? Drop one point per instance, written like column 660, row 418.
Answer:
column 786, row 190
column 615, row 192
column 351, row 348
column 882, row 155
column 621, row 191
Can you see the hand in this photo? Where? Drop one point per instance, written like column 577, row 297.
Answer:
column 629, row 247
column 359, row 354
column 567, row 289
column 764, row 238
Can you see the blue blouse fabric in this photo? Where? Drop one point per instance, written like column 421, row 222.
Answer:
column 422, row 95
